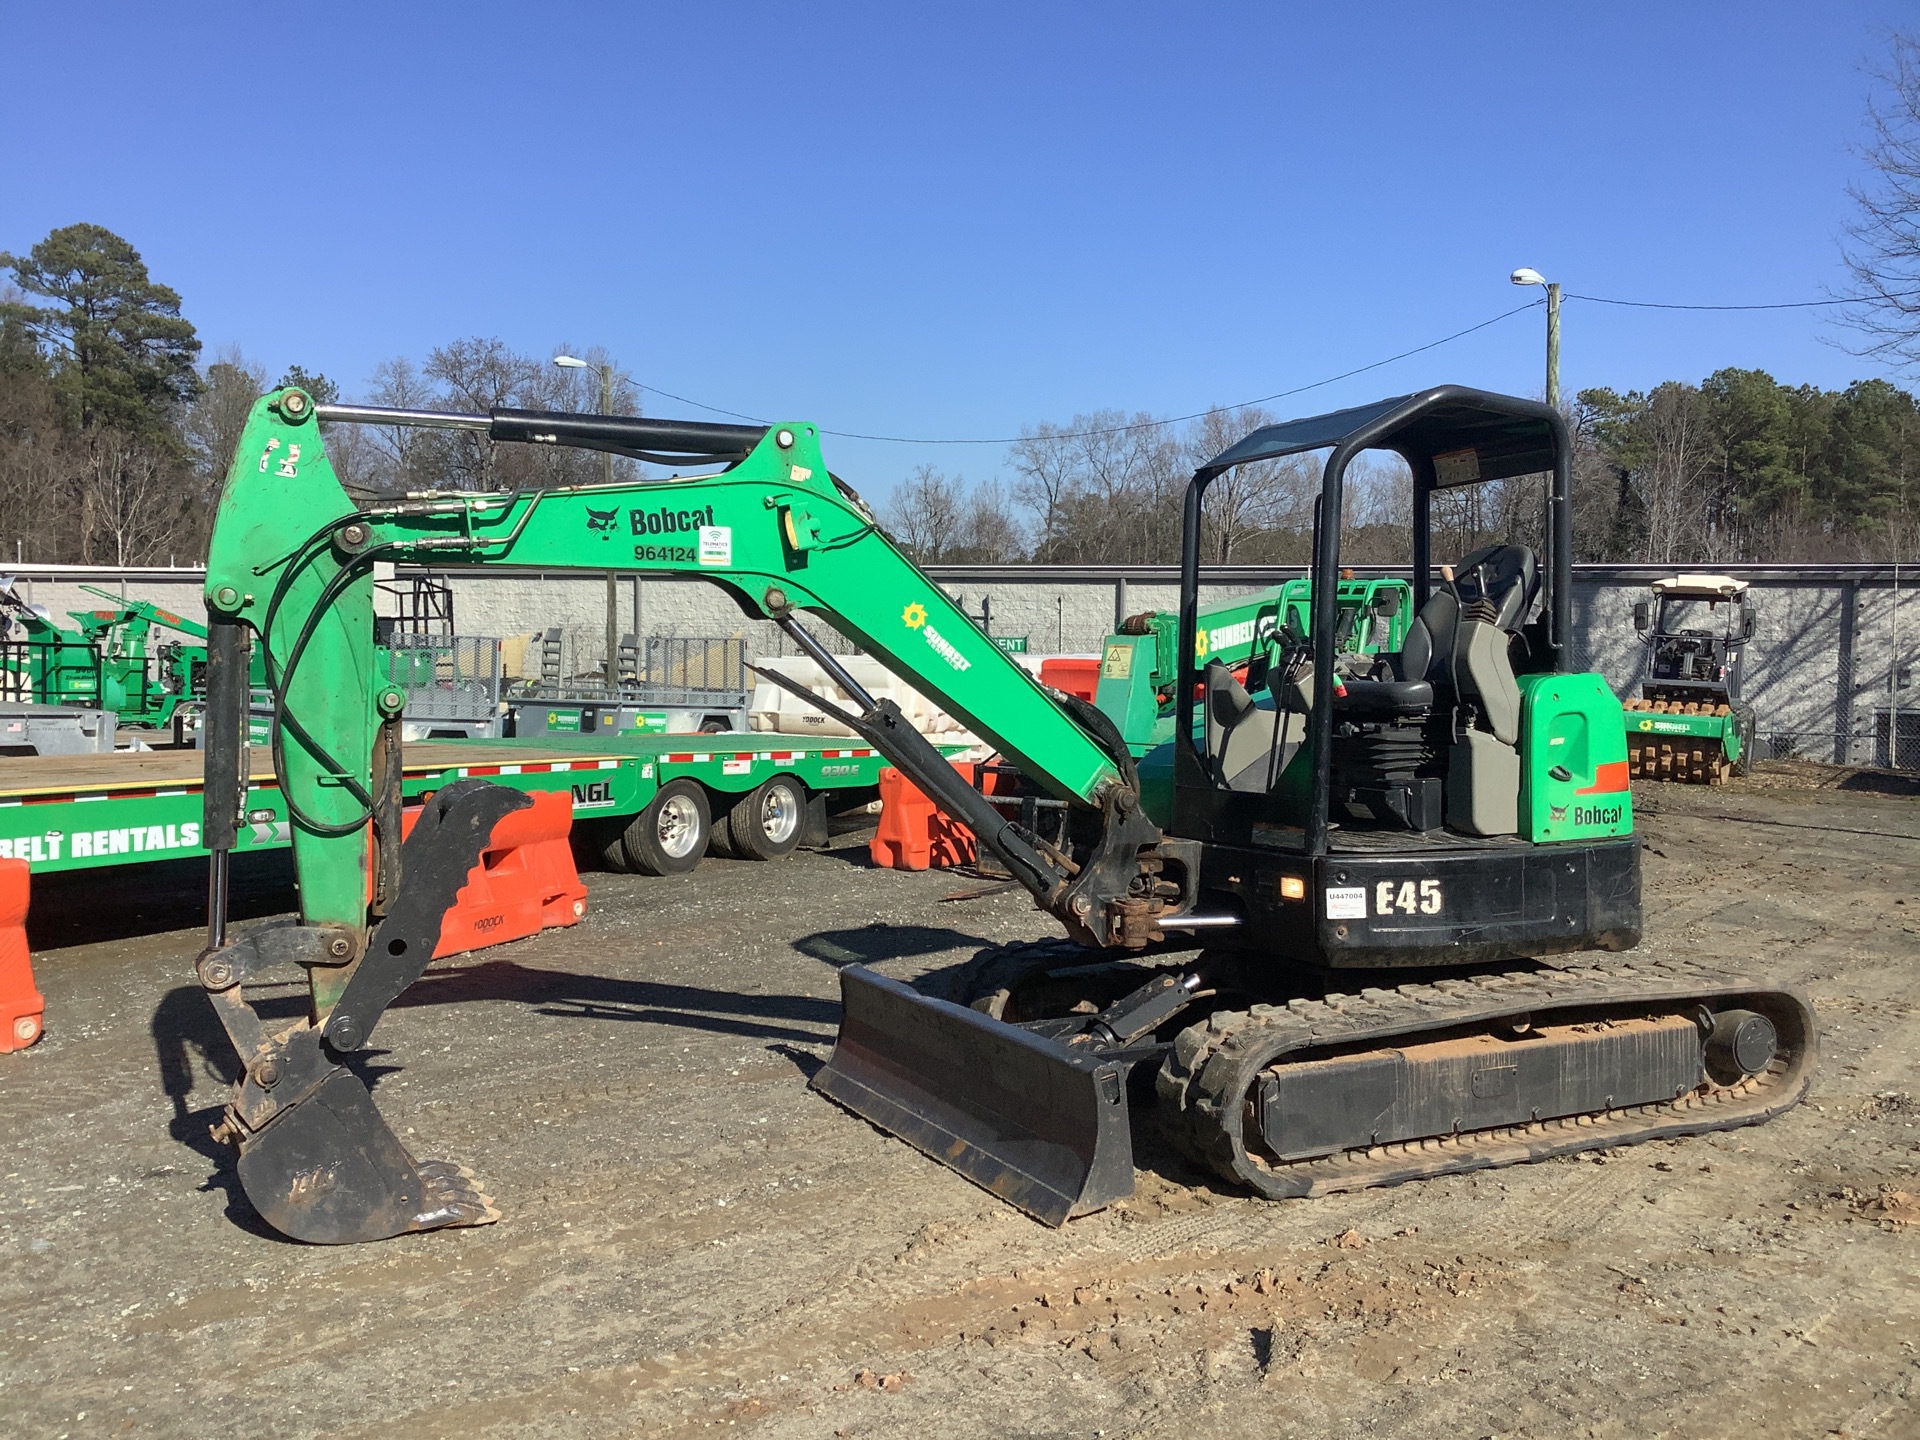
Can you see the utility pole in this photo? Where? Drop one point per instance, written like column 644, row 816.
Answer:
column 1527, row 276
column 1553, row 347
column 613, row 576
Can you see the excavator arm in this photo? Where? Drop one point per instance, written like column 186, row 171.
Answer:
column 290, row 568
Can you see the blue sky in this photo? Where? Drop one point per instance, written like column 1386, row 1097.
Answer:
column 937, row 221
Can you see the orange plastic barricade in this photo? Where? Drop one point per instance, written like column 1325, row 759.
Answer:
column 21, row 1005
column 914, row 833
column 1075, row 674
column 525, row 882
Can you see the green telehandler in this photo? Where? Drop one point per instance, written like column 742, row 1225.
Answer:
column 1311, row 925
column 1139, row 665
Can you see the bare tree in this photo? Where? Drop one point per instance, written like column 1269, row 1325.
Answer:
column 404, row 459
column 478, row 375
column 136, row 505
column 1884, row 254
column 925, row 513
column 989, row 534
column 1043, row 459
column 1248, row 501
column 215, row 419
column 40, row 469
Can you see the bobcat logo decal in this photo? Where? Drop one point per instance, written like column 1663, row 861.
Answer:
column 601, row 522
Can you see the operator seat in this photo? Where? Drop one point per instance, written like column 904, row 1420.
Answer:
column 1241, row 732
column 1494, row 589
column 1500, row 581
column 1457, row 654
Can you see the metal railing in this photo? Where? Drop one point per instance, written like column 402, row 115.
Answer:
column 654, row 670
column 447, row 677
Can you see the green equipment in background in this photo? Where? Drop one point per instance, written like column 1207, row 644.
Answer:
column 108, row 661
column 1138, row 666
column 1689, row 723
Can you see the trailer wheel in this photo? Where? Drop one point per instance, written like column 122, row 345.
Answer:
column 597, row 842
column 768, row 821
column 669, row 837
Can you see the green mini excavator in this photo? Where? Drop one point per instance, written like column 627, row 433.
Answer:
column 1314, row 933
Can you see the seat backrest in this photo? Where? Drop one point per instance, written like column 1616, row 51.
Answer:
column 1240, row 732
column 1506, row 576
column 1426, row 653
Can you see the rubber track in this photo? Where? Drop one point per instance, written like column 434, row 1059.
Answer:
column 1203, row 1082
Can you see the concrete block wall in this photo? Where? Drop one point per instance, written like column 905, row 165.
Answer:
column 1818, row 670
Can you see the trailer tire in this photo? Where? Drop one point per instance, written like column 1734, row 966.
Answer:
column 669, row 837
column 720, row 839
column 769, row 820
column 609, row 843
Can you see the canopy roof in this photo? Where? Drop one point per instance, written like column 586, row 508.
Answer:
column 1470, row 435
column 1717, row 587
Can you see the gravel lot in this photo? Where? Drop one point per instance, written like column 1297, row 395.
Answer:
column 694, row 1241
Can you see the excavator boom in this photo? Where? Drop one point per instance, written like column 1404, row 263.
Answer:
column 291, row 567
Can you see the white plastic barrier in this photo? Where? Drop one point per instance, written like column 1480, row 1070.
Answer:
column 775, row 709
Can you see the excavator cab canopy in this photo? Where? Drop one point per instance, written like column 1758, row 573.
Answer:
column 1450, row 436
column 1478, row 435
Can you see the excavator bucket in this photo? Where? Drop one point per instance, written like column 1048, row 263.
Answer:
column 330, row 1171
column 1041, row 1124
column 316, row 1158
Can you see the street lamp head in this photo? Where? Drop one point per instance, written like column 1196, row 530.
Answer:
column 1526, row 276
column 571, row 362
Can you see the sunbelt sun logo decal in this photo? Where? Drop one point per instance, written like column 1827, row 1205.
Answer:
column 914, row 617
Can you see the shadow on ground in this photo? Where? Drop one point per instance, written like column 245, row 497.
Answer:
column 151, row 899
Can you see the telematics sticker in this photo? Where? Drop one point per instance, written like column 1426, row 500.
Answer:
column 1346, row 902
column 716, row 545
column 1457, row 467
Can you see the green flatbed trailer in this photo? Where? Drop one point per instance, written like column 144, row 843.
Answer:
column 92, row 811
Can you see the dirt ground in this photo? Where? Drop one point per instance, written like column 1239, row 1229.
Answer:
column 695, row 1242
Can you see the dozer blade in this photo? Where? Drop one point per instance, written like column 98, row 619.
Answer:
column 329, row 1171
column 1041, row 1124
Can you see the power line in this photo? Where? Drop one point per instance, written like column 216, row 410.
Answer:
column 1782, row 305
column 1296, row 390
column 1137, row 424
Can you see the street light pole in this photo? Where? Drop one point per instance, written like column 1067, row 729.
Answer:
column 613, row 576
column 1553, row 348
column 1525, row 276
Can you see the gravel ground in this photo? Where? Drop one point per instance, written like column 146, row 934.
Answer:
column 693, row 1241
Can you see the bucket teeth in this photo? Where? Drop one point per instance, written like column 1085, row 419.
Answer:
column 455, row 1191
